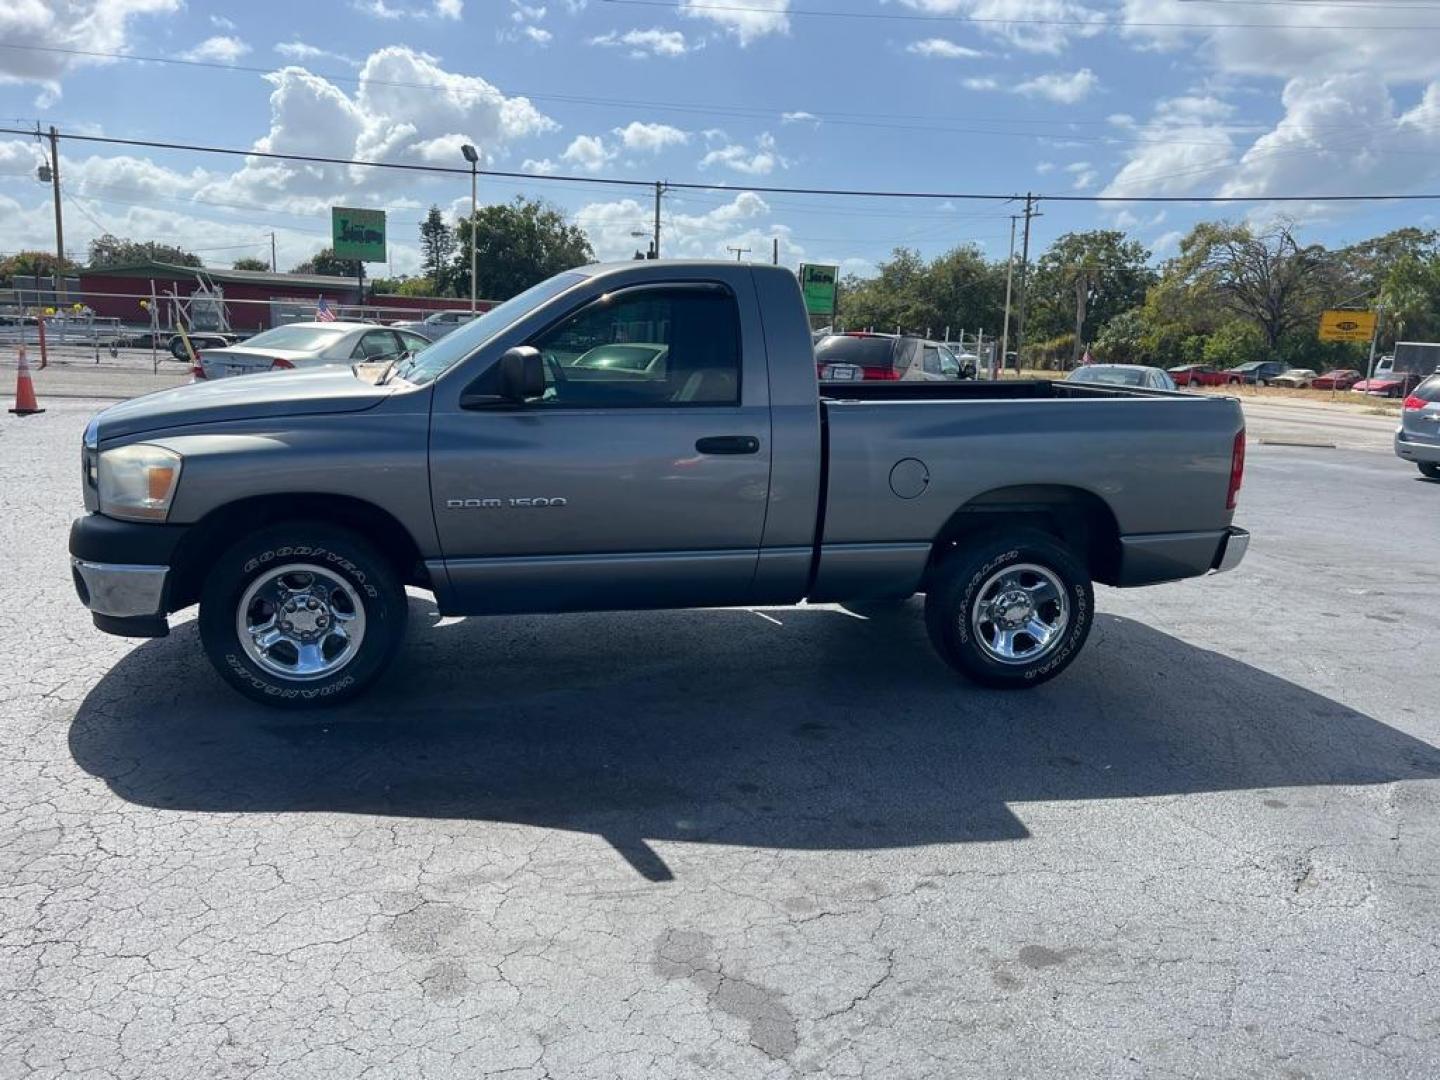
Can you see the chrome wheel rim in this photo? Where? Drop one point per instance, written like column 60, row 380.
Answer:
column 1020, row 614
column 300, row 622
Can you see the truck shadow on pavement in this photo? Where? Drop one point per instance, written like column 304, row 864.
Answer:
column 825, row 732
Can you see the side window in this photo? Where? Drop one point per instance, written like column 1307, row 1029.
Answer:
column 949, row 365
column 651, row 347
column 930, row 362
column 375, row 345
column 412, row 342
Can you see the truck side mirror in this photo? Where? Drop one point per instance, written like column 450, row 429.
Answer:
column 522, row 373
column 517, row 376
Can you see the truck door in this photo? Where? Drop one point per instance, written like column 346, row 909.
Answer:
column 639, row 479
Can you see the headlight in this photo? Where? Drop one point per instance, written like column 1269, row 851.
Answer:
column 138, row 482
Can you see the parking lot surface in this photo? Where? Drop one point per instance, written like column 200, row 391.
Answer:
column 732, row 843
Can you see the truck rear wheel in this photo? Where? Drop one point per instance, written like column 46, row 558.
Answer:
column 302, row 614
column 1010, row 609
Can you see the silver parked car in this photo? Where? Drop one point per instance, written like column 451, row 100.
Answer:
column 437, row 324
column 1418, row 437
column 1146, row 378
column 310, row 344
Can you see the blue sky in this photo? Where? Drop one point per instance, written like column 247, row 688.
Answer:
column 1170, row 97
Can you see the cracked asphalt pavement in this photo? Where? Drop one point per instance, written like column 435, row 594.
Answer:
column 728, row 843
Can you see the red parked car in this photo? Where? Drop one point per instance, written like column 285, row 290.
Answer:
column 1339, row 379
column 1202, row 375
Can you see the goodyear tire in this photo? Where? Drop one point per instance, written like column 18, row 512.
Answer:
column 302, row 614
column 1010, row 609
column 1429, row 469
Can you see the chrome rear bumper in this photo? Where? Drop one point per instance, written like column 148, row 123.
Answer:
column 1232, row 549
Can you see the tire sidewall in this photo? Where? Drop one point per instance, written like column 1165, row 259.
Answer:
column 967, row 572
column 338, row 552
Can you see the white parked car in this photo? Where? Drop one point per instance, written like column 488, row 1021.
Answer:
column 1147, row 378
column 309, row 344
column 1296, row 378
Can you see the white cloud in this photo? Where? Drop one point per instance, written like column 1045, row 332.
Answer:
column 1041, row 26
column 96, row 26
column 383, row 119
column 538, row 34
column 299, row 50
column 800, row 117
column 588, row 153
column 1179, row 148
column 438, row 9
column 981, row 84
column 221, row 23
column 943, row 49
column 1061, row 88
column 760, row 161
column 523, row 12
column 1084, row 174
column 643, row 43
column 449, row 9
column 1045, row 167
column 651, row 137
column 748, row 22
column 220, row 49
column 1294, row 40
column 744, row 222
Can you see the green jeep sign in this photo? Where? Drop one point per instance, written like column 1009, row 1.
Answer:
column 358, row 234
column 819, row 284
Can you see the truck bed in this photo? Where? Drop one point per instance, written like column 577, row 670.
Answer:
column 980, row 390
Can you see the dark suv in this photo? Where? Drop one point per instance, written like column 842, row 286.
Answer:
column 863, row 356
column 1259, row 371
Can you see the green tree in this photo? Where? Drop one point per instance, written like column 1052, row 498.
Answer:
column 518, row 244
column 437, row 248
column 1267, row 279
column 958, row 290
column 108, row 250
column 249, row 262
column 32, row 264
column 325, row 261
column 1115, row 273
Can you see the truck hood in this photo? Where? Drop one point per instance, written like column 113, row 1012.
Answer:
column 251, row 397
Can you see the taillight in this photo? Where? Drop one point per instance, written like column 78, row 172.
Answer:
column 886, row 373
column 281, row 364
column 1414, row 401
column 1237, row 470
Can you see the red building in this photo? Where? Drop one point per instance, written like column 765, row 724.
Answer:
column 254, row 299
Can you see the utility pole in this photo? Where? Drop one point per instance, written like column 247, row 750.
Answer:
column 1005, row 332
column 1082, row 298
column 659, row 191
column 1030, row 212
column 775, row 251
column 59, row 217
column 738, row 251
column 272, row 253
column 1374, row 339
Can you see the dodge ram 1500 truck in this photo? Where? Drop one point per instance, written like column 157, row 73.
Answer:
column 641, row 435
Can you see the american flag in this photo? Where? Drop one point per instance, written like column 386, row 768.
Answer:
column 323, row 312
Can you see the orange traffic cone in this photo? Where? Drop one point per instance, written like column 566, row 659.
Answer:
column 25, row 404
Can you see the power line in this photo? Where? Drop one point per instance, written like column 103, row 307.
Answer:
column 693, row 185
column 1099, row 24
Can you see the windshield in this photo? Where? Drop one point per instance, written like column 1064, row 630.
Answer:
column 1117, row 376
column 429, row 364
column 300, row 338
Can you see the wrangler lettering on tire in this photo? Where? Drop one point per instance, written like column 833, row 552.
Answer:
column 1009, row 609
column 302, row 614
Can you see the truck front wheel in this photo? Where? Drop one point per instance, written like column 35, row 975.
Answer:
column 302, row 614
column 1010, row 609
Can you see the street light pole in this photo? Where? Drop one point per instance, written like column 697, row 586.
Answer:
column 474, row 159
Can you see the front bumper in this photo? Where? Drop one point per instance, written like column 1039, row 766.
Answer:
column 1411, row 450
column 121, row 572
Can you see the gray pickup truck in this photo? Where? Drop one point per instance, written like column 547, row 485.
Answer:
column 642, row 435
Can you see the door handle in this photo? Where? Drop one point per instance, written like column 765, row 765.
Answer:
column 728, row 444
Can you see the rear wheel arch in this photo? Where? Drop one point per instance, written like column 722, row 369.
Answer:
column 1078, row 518
column 221, row 527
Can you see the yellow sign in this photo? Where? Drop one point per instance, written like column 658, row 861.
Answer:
column 1347, row 326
